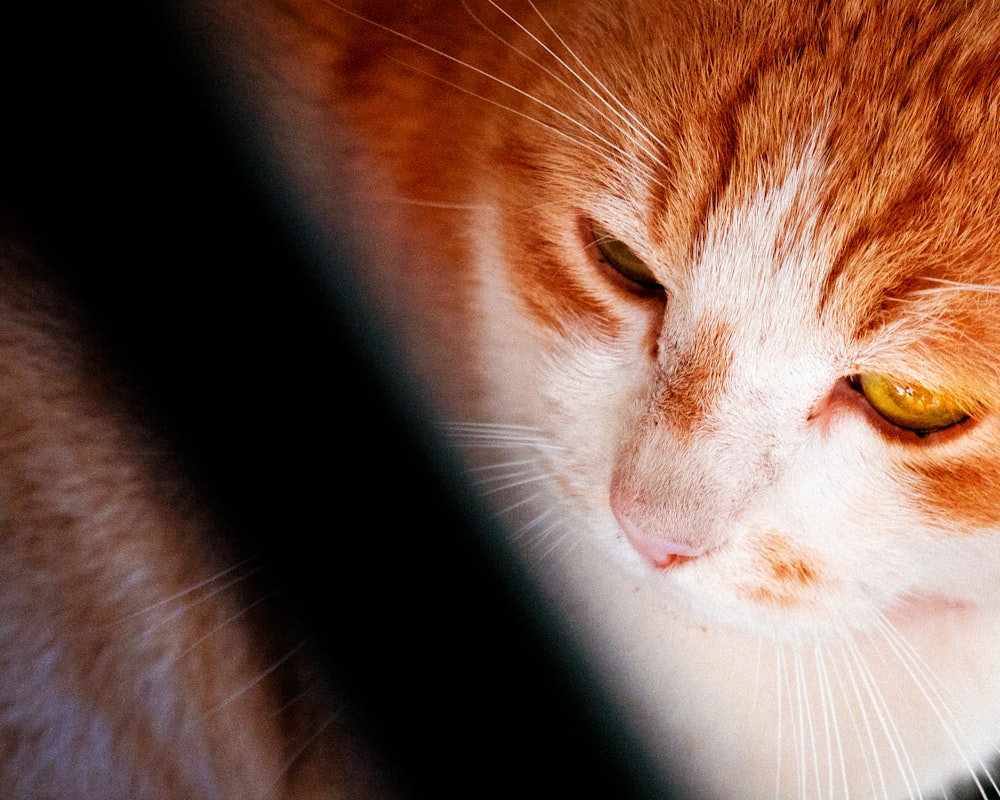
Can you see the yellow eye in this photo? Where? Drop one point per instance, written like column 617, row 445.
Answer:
column 910, row 405
column 623, row 260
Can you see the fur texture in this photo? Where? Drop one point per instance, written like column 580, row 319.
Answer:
column 791, row 593
column 743, row 540
column 142, row 652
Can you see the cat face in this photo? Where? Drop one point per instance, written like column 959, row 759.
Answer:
column 708, row 292
column 751, row 281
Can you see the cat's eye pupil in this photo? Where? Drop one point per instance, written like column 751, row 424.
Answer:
column 623, row 260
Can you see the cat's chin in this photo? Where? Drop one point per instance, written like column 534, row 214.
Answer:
column 698, row 609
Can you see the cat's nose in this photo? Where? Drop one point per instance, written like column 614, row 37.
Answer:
column 661, row 552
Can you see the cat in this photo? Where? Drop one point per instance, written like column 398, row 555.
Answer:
column 152, row 644
column 707, row 295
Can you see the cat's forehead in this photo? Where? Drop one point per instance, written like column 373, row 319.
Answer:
column 904, row 121
column 867, row 149
column 920, row 297
column 822, row 152
column 902, row 112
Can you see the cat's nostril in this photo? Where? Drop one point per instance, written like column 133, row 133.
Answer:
column 660, row 552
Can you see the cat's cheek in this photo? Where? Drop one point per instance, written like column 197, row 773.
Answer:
column 957, row 492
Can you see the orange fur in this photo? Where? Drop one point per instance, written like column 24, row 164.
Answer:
column 816, row 189
column 786, row 572
column 686, row 397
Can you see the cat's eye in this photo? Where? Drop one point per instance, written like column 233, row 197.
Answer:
column 623, row 260
column 909, row 405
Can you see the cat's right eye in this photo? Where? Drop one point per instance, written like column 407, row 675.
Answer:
column 623, row 260
column 909, row 405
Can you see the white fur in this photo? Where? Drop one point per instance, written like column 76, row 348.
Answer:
column 817, row 700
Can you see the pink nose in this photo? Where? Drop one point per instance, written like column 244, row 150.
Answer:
column 658, row 551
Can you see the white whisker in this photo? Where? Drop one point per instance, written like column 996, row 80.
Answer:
column 188, row 606
column 297, row 754
column 606, row 149
column 553, row 545
column 231, row 619
column 612, row 114
column 834, row 737
column 515, row 483
column 502, row 465
column 480, row 434
column 800, row 739
column 779, row 664
column 422, row 203
column 924, row 680
column 796, row 717
column 192, row 589
column 300, row 696
column 606, row 96
column 505, row 480
column 947, row 285
column 246, row 687
column 537, row 520
column 873, row 765
column 883, row 716
column 507, row 510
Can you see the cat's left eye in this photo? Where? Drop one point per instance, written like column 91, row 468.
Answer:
column 909, row 405
column 623, row 260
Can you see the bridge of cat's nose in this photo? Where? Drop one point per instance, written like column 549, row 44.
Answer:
column 660, row 551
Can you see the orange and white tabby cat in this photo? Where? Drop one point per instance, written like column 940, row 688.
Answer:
column 709, row 291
